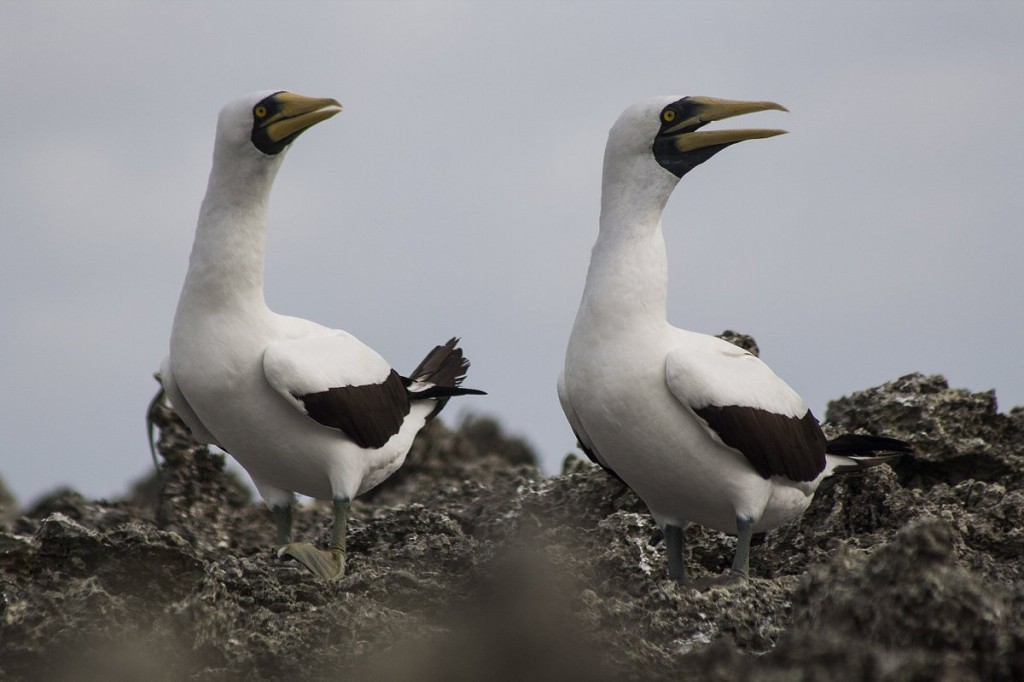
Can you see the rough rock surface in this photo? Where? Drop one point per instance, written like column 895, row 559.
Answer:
column 471, row 565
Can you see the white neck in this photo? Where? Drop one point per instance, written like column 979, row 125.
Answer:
column 628, row 276
column 226, row 266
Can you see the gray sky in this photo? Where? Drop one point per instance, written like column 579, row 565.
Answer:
column 458, row 193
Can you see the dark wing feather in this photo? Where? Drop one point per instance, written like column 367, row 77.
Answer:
column 775, row 445
column 370, row 414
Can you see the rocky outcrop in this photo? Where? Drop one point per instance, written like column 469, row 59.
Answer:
column 470, row 564
column 958, row 435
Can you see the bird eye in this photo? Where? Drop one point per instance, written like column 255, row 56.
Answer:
column 668, row 116
column 260, row 111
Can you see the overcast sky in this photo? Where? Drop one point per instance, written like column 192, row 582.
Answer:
column 457, row 194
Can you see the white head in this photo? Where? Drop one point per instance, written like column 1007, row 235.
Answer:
column 656, row 142
column 266, row 122
column 665, row 129
column 252, row 134
column 633, row 133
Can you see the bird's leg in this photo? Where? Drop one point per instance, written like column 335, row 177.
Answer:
column 327, row 564
column 674, row 552
column 739, row 575
column 283, row 522
column 340, row 531
column 741, row 562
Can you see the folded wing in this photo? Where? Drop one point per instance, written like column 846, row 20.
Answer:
column 341, row 383
column 744, row 405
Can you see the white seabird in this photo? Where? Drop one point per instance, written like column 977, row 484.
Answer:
column 702, row 430
column 303, row 408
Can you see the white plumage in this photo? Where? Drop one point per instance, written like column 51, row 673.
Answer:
column 303, row 408
column 702, row 430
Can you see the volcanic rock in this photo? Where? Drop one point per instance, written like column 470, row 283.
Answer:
column 470, row 564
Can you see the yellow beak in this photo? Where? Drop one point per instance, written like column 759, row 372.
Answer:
column 297, row 113
column 708, row 109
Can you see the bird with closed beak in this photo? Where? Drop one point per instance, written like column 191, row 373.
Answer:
column 303, row 408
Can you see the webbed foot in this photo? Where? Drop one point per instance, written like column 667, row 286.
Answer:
column 727, row 580
column 327, row 564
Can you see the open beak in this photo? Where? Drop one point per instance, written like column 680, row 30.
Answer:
column 296, row 113
column 687, row 137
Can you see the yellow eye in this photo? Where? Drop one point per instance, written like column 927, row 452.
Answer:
column 668, row 116
column 260, row 111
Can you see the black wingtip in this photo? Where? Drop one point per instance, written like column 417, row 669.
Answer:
column 858, row 444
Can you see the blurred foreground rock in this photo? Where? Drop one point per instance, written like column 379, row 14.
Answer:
column 470, row 565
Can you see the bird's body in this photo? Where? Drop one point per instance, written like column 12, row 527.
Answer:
column 683, row 473
column 302, row 407
column 282, row 449
column 701, row 429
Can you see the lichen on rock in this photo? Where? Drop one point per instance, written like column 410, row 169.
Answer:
column 470, row 564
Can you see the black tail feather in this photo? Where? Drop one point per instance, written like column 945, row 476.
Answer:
column 442, row 371
column 444, row 392
column 443, row 366
column 857, row 444
column 862, row 451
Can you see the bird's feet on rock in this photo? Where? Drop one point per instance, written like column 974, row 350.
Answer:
column 726, row 580
column 325, row 564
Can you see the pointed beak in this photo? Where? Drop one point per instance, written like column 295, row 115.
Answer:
column 686, row 134
column 296, row 113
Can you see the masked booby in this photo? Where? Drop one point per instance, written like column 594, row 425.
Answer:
column 303, row 408
column 701, row 429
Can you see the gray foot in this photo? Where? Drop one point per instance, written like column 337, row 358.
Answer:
column 730, row 579
column 327, row 564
